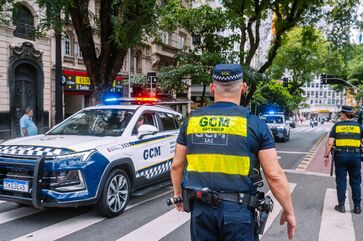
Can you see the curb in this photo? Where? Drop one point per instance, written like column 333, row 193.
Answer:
column 305, row 163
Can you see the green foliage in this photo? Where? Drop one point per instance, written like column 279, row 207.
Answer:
column 204, row 24
column 303, row 53
column 274, row 93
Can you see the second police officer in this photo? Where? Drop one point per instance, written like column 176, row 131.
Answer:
column 219, row 145
column 346, row 137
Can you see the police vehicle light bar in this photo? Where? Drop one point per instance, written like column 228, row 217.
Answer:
column 131, row 100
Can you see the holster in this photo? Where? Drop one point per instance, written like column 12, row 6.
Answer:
column 187, row 200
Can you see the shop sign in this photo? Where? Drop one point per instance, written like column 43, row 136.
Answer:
column 79, row 81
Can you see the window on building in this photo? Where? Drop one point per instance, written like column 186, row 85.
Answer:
column 333, row 101
column 23, row 20
column 79, row 52
column 316, row 85
column 329, row 101
column 321, row 93
column 139, row 61
column 311, row 101
column 329, row 93
column 164, row 36
column 333, row 95
column 312, row 93
column 316, row 101
column 67, row 45
column 181, row 41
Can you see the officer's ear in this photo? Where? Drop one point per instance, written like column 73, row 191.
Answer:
column 244, row 87
column 211, row 86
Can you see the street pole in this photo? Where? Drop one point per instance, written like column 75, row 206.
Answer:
column 58, row 78
column 129, row 73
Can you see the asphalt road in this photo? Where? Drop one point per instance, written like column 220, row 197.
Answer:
column 148, row 218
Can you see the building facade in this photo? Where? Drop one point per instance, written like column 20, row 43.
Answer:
column 27, row 68
column 321, row 100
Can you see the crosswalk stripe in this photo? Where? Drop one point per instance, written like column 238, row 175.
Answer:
column 72, row 225
column 17, row 213
column 159, row 227
column 63, row 228
column 277, row 208
column 335, row 226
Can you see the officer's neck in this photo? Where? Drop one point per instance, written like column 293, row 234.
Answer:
column 230, row 100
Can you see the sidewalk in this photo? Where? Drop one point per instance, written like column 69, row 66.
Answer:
column 317, row 162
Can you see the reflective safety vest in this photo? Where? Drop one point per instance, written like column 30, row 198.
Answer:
column 347, row 134
column 218, row 153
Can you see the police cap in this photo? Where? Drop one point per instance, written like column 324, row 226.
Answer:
column 347, row 109
column 227, row 72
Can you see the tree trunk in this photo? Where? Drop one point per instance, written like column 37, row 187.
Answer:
column 203, row 95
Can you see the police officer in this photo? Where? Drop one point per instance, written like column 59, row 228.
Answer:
column 220, row 144
column 346, row 136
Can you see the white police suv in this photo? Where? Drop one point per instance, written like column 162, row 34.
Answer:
column 97, row 156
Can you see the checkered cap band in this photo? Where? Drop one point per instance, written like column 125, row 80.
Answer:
column 228, row 78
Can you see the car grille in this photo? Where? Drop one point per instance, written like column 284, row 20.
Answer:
column 18, row 168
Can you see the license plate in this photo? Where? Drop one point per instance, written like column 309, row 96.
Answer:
column 16, row 185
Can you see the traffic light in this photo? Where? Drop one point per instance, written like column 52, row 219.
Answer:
column 285, row 82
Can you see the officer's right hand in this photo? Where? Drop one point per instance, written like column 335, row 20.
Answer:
column 289, row 217
column 179, row 207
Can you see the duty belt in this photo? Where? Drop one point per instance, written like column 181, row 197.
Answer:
column 241, row 198
column 348, row 149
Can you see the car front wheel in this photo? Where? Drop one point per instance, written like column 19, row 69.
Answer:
column 115, row 194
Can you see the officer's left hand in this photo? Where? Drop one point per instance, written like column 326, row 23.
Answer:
column 326, row 161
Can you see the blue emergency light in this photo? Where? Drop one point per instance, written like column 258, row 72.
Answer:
column 135, row 100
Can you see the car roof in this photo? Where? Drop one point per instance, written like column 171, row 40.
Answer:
column 134, row 107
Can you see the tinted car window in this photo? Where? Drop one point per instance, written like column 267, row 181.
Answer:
column 95, row 122
column 274, row 120
column 168, row 122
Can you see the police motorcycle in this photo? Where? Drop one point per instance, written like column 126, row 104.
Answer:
column 261, row 204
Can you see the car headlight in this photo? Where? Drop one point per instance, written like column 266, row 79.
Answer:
column 78, row 156
column 281, row 128
column 67, row 181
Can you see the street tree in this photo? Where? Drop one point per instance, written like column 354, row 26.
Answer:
column 303, row 53
column 248, row 15
column 115, row 27
column 209, row 47
column 275, row 94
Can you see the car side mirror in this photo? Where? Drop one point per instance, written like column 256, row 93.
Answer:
column 145, row 130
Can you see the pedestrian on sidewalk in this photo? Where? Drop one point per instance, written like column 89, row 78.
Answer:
column 219, row 145
column 346, row 136
column 27, row 125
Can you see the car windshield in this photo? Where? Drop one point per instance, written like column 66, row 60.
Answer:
column 95, row 122
column 274, row 119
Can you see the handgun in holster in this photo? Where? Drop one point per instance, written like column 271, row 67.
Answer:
column 264, row 207
column 205, row 195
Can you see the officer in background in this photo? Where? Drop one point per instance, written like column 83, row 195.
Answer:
column 346, row 136
column 220, row 144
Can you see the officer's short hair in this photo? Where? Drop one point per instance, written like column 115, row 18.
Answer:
column 28, row 109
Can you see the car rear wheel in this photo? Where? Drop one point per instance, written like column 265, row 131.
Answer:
column 115, row 194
